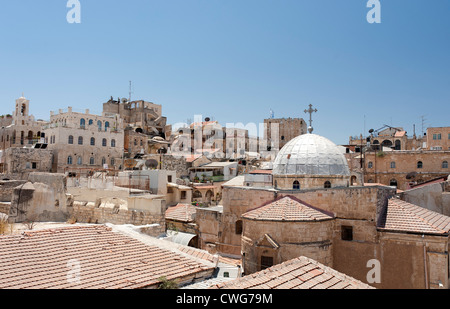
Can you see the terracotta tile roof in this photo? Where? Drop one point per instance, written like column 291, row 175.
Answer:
column 406, row 217
column 288, row 208
column 299, row 273
column 181, row 212
column 107, row 260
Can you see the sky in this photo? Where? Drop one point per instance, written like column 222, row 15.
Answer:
column 234, row 60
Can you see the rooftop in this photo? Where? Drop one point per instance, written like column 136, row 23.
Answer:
column 107, row 259
column 406, row 217
column 288, row 208
column 299, row 273
column 181, row 212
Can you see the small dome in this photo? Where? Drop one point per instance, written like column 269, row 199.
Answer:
column 310, row 154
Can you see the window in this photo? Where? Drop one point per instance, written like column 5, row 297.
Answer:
column 419, row 164
column 99, row 125
column 296, row 185
column 393, row 183
column 104, row 142
column 82, row 123
column 103, row 161
column 70, row 140
column 113, row 162
column 92, row 161
column 106, row 126
column 113, row 143
column 238, row 227
column 80, row 140
column 370, row 165
column 266, row 262
column 169, row 178
column 445, row 164
column 437, row 136
column 80, row 161
column 91, row 122
column 34, row 165
column 347, row 233
column 327, row 185
column 69, row 160
column 392, row 164
column 183, row 195
column 92, row 141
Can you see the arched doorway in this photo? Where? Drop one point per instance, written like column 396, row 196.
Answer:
column 393, row 183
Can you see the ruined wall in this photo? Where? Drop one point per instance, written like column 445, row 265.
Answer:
column 209, row 225
column 432, row 197
column 28, row 160
column 100, row 213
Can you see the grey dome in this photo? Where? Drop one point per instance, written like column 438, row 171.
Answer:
column 310, row 154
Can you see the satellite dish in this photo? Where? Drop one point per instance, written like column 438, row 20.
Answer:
column 151, row 163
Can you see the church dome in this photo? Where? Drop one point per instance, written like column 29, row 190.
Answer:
column 310, row 154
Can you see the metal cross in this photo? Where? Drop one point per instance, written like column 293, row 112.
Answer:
column 310, row 111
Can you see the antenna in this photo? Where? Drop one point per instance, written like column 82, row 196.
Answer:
column 423, row 123
column 129, row 98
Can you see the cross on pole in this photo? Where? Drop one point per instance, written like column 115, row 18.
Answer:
column 310, row 111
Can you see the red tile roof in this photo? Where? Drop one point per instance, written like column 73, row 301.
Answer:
column 181, row 212
column 406, row 217
column 299, row 273
column 288, row 208
column 107, row 260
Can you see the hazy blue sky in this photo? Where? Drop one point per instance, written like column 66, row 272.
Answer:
column 234, row 60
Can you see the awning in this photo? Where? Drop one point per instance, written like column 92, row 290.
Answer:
column 179, row 237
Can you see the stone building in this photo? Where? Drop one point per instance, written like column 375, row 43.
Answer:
column 20, row 129
column 82, row 141
column 344, row 227
column 278, row 132
column 393, row 138
column 403, row 168
column 438, row 138
column 143, row 122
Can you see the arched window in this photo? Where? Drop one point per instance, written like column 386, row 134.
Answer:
column 419, row 164
column 113, row 143
column 92, row 161
column 392, row 164
column 69, row 160
column 70, row 140
column 238, row 227
column 103, row 161
column 82, row 123
column 80, row 140
column 99, row 125
column 296, row 185
column 80, row 161
column 327, row 185
column 370, row 165
column 106, row 126
column 113, row 162
column 92, row 141
column 104, row 142
column 91, row 122
column 445, row 164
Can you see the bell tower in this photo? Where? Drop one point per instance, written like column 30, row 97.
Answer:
column 22, row 108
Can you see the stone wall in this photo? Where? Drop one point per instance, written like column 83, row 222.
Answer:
column 83, row 212
column 293, row 239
